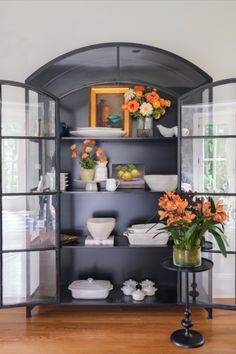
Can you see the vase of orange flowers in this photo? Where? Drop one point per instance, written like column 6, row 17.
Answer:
column 144, row 104
column 88, row 156
column 187, row 221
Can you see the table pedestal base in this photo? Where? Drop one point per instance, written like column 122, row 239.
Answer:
column 192, row 340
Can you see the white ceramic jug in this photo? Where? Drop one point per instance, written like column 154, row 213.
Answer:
column 112, row 184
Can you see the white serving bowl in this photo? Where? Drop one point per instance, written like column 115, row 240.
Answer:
column 161, row 183
column 100, row 228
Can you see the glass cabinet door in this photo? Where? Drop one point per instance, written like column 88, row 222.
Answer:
column 207, row 156
column 29, row 196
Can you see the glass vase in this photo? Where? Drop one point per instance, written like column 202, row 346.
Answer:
column 187, row 258
column 144, row 126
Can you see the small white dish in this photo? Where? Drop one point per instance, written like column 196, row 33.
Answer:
column 128, row 289
column 131, row 282
column 138, row 295
column 146, row 283
column 149, row 290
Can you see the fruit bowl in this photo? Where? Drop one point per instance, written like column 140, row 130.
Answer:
column 161, row 183
column 100, row 228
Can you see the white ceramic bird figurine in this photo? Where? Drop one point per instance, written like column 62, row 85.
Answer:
column 166, row 132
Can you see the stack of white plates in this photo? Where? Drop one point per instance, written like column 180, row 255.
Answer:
column 64, row 183
column 98, row 131
column 147, row 234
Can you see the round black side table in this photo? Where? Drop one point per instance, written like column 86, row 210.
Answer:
column 187, row 338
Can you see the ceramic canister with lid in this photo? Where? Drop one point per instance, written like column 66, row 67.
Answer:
column 90, row 289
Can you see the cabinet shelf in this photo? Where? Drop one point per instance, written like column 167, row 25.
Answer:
column 119, row 242
column 189, row 137
column 155, row 138
column 165, row 295
column 125, row 190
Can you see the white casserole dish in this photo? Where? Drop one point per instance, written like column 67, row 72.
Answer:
column 90, row 289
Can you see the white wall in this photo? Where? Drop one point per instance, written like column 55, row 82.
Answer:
column 34, row 32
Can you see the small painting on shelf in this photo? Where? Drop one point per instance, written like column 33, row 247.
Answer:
column 129, row 175
column 105, row 108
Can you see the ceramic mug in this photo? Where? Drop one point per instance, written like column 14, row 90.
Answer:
column 112, row 184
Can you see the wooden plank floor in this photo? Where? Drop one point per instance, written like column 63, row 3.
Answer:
column 65, row 330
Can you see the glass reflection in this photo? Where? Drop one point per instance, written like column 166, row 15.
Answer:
column 29, row 276
column 208, row 165
column 210, row 112
column 28, row 222
column 26, row 113
column 28, row 165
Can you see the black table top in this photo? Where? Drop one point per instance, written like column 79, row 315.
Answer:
column 167, row 263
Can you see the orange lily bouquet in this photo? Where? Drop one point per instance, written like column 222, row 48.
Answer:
column 145, row 102
column 89, row 155
column 188, row 220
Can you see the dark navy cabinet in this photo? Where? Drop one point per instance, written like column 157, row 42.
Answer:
column 59, row 92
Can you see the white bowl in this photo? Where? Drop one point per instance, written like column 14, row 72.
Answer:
column 161, row 183
column 101, row 228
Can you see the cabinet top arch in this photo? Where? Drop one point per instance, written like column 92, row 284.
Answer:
column 118, row 63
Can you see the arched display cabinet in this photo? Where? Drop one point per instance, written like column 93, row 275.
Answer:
column 67, row 79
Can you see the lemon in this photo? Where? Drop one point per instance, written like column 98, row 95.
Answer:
column 127, row 176
column 120, row 173
column 135, row 173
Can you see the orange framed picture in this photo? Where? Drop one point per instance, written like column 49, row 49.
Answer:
column 105, row 108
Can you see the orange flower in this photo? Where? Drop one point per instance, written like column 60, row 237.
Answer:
column 219, row 207
column 167, row 103
column 74, row 154
column 84, row 147
column 156, row 104
column 132, row 106
column 162, row 102
column 87, row 142
column 73, row 147
column 189, row 216
column 220, row 217
column 152, row 96
column 170, row 206
column 84, row 156
column 124, row 106
column 99, row 152
column 181, row 206
column 139, row 88
column 93, row 142
column 206, row 209
column 163, row 214
column 173, row 219
column 139, row 94
column 197, row 207
column 88, row 149
column 103, row 159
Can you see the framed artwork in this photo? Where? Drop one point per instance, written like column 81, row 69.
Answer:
column 105, row 108
column 129, row 175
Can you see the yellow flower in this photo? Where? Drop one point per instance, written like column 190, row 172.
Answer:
column 157, row 116
column 156, row 104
